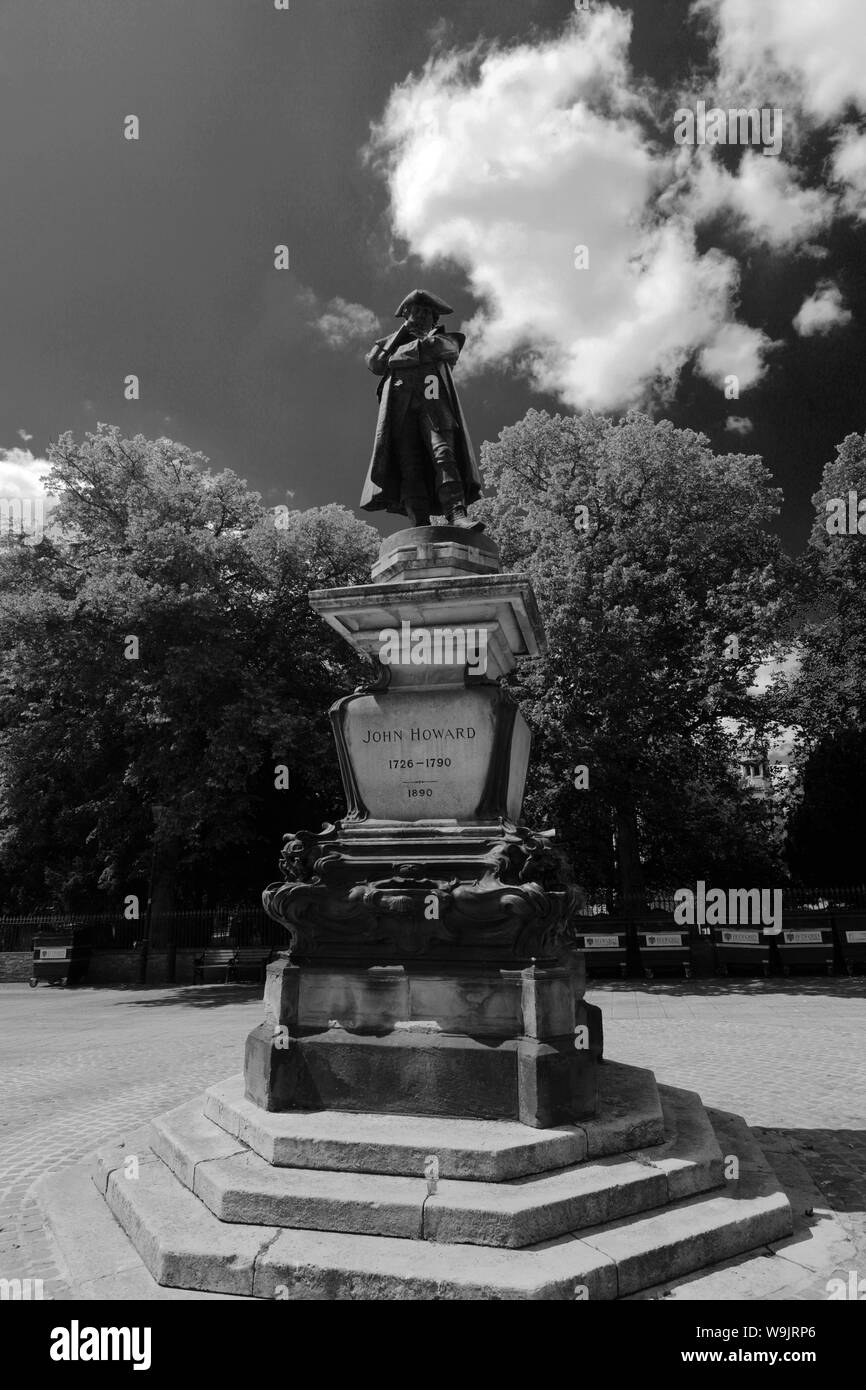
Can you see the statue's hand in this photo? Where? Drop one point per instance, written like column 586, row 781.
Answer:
column 403, row 335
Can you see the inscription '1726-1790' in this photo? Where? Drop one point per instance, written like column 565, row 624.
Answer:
column 421, row 756
column 416, row 735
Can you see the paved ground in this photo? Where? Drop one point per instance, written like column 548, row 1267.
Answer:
column 790, row 1057
column 80, row 1067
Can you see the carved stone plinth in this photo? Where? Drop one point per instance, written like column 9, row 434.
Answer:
column 367, row 894
column 426, row 971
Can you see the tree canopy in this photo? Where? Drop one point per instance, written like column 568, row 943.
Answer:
column 159, row 660
column 824, row 698
column 160, row 664
column 660, row 582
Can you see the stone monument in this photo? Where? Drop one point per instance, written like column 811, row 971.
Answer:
column 424, row 1111
column 427, row 971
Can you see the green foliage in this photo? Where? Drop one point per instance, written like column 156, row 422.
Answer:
column 825, row 698
column 647, row 553
column 830, row 692
column 111, row 767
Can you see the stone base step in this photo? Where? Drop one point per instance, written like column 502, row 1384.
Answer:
column 97, row 1260
column 629, row 1117
column 239, row 1186
column 184, row 1245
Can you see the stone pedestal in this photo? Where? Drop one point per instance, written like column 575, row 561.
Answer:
column 422, row 1114
column 497, row 1044
column 427, row 972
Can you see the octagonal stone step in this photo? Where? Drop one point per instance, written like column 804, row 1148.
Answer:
column 238, row 1185
column 185, row 1246
column 748, row 1211
column 629, row 1116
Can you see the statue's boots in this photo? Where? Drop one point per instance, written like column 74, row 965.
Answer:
column 452, row 500
column 458, row 517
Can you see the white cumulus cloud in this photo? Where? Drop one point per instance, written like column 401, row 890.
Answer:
column 505, row 160
column 849, row 169
column 20, row 473
column 739, row 424
column 339, row 321
column 736, row 351
column 808, row 52
column 763, row 195
column 822, row 311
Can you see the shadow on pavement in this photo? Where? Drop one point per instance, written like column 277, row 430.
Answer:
column 831, row 986
column 835, row 1160
column 193, row 996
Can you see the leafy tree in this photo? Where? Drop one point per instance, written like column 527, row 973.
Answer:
column 159, row 660
column 830, row 691
column 825, row 700
column 648, row 553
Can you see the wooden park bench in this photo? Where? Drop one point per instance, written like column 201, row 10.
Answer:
column 213, row 967
column 243, row 964
column 250, row 963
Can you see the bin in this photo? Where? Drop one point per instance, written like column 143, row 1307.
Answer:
column 605, row 945
column 60, row 957
column 663, row 946
column 746, row 946
column 806, row 939
column 851, row 935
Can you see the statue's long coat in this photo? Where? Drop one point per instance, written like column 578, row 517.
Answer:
column 383, row 484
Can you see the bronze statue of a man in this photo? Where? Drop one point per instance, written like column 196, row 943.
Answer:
column 423, row 460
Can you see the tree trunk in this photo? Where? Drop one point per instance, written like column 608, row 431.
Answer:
column 630, row 875
column 162, row 891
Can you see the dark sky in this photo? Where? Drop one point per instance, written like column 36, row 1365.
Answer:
column 156, row 256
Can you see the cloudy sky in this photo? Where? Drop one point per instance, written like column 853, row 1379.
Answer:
column 468, row 146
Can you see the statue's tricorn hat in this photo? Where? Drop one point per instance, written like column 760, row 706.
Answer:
column 422, row 297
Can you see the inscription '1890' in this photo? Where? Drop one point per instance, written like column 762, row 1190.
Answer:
column 417, row 735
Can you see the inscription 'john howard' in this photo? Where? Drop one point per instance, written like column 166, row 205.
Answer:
column 416, row 735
